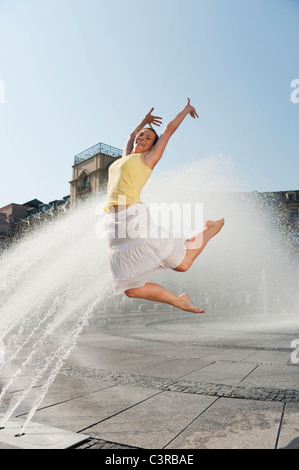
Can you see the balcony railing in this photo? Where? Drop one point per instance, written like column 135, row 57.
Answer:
column 95, row 149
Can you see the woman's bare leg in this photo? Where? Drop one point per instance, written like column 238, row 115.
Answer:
column 196, row 244
column 155, row 292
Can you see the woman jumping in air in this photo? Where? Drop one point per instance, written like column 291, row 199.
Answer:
column 138, row 247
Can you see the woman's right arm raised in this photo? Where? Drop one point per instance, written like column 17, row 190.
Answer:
column 147, row 120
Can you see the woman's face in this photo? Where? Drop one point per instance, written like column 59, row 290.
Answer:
column 144, row 141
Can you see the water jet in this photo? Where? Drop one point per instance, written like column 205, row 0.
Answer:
column 56, row 281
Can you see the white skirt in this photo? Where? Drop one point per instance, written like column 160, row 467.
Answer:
column 139, row 247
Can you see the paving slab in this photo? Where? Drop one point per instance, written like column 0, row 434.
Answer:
column 289, row 433
column 117, row 359
column 153, row 423
column 64, row 390
column 233, row 424
column 274, row 375
column 149, row 380
column 269, row 357
column 229, row 354
column 83, row 412
column 222, row 372
column 174, row 368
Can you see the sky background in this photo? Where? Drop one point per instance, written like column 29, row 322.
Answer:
column 78, row 72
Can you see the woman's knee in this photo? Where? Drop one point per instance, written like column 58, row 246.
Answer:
column 130, row 293
column 183, row 267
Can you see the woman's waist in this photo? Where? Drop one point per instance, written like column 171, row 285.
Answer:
column 120, row 211
column 113, row 208
column 121, row 200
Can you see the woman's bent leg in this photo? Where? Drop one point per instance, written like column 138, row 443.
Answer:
column 158, row 293
column 196, row 244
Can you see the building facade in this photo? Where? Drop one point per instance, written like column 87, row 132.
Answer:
column 286, row 204
column 89, row 176
column 90, row 171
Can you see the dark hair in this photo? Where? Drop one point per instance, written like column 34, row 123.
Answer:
column 156, row 135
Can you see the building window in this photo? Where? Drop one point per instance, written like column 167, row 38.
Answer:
column 86, row 182
column 291, row 196
column 294, row 213
column 84, row 185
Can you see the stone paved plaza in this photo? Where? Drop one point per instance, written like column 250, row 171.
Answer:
column 165, row 379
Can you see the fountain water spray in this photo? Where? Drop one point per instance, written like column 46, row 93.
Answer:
column 252, row 266
column 50, row 284
column 56, row 278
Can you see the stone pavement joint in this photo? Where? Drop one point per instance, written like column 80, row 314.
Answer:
column 102, row 444
column 184, row 386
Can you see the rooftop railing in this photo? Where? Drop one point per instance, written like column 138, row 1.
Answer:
column 95, row 149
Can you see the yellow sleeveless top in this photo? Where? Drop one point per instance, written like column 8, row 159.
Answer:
column 126, row 178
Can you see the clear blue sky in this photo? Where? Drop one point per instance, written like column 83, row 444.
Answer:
column 79, row 72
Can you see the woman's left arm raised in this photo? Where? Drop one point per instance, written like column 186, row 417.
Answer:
column 155, row 154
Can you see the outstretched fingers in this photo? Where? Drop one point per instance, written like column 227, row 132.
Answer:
column 156, row 120
column 191, row 109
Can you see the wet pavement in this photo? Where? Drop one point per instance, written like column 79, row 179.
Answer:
column 165, row 379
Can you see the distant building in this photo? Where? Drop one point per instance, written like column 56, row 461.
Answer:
column 287, row 199
column 13, row 213
column 90, row 170
column 17, row 219
column 287, row 204
column 90, row 176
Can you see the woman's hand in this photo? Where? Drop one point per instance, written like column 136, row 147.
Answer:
column 190, row 109
column 149, row 119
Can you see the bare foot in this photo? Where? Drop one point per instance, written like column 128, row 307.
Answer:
column 213, row 227
column 187, row 306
